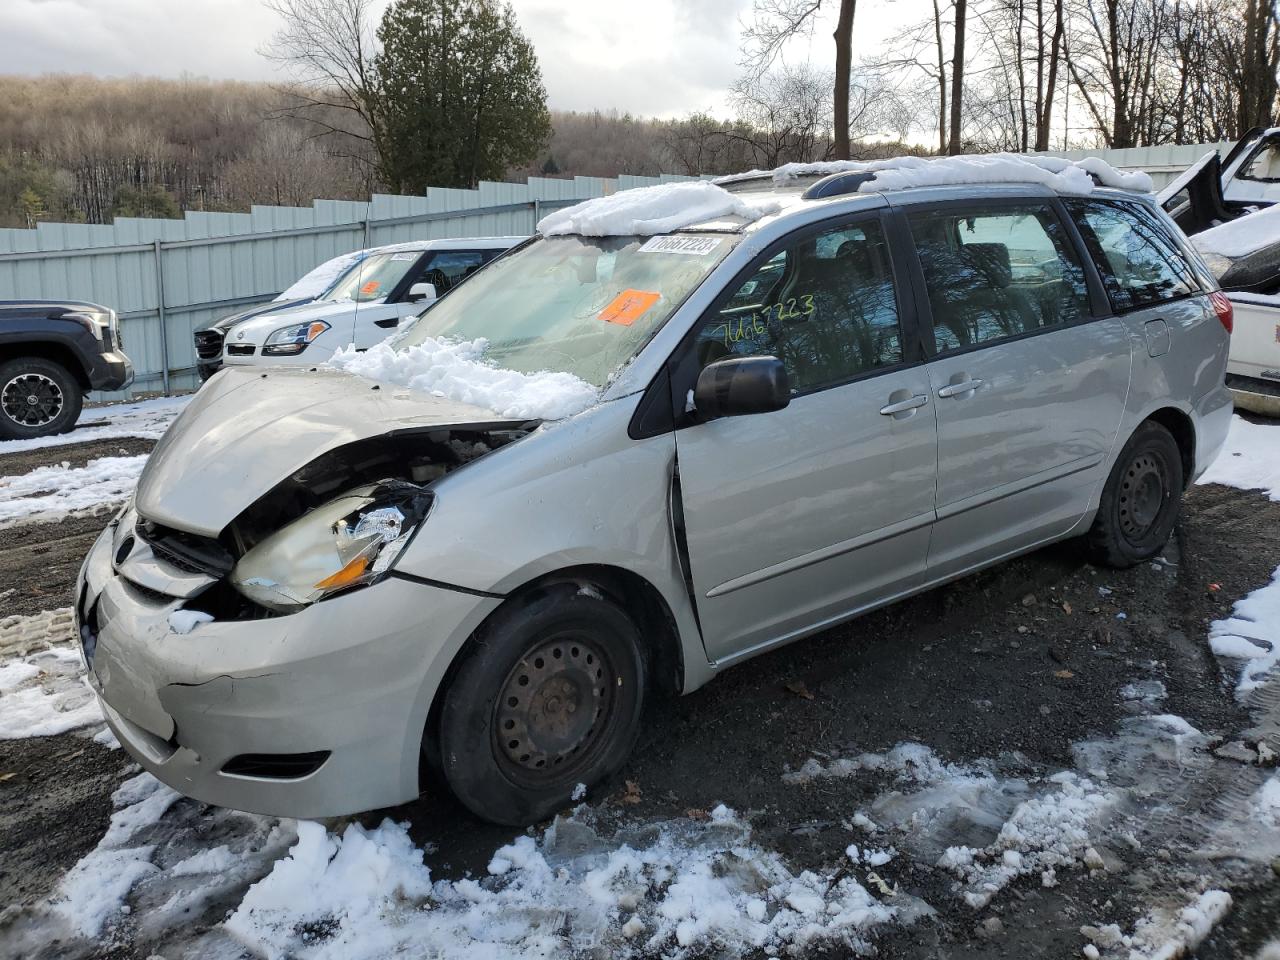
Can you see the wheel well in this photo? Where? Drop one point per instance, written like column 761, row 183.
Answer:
column 1184, row 434
column 664, row 655
column 47, row 351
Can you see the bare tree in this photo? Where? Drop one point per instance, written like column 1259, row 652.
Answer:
column 775, row 22
column 330, row 47
column 954, row 144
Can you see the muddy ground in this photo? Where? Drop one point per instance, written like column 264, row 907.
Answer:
column 1024, row 660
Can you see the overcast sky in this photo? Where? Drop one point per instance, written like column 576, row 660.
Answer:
column 652, row 57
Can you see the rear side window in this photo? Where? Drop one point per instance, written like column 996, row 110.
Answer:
column 1139, row 262
column 999, row 272
column 825, row 306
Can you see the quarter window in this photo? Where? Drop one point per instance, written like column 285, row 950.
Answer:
column 997, row 273
column 825, row 306
column 1140, row 264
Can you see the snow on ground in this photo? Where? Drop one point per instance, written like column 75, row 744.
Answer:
column 145, row 418
column 1164, row 933
column 901, row 173
column 51, row 493
column 457, row 370
column 1251, row 635
column 44, row 693
column 1250, row 459
column 647, row 211
column 1242, row 236
column 1008, row 827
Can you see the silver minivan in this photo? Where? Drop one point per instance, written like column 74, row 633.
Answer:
column 332, row 593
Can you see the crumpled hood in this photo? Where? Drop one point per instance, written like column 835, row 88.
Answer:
column 248, row 429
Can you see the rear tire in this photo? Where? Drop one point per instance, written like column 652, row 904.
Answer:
column 38, row 398
column 549, row 696
column 1141, row 500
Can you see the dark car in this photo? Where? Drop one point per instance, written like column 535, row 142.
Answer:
column 51, row 353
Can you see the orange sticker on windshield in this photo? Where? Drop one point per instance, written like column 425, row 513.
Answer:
column 370, row 287
column 629, row 306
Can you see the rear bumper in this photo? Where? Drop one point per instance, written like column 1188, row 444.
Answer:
column 1212, row 421
column 350, row 679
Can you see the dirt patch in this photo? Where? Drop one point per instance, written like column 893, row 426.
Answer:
column 72, row 454
column 53, row 809
column 39, row 563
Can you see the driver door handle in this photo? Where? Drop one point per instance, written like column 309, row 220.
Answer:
column 902, row 406
column 958, row 389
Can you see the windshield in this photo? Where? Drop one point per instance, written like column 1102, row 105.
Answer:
column 373, row 277
column 580, row 305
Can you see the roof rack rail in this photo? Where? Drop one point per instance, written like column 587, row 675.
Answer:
column 837, row 184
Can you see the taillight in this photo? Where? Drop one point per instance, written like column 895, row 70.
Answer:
column 1222, row 307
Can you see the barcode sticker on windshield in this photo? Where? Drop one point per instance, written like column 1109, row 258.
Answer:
column 405, row 256
column 628, row 307
column 692, row 246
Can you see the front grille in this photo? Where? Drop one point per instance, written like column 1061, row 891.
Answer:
column 241, row 349
column 208, row 344
column 186, row 551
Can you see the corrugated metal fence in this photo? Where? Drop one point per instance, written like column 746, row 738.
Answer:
column 168, row 278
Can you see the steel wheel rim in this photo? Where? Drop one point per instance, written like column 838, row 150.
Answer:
column 553, row 710
column 32, row 400
column 1141, row 496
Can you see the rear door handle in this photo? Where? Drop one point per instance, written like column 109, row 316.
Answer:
column 959, row 389
column 902, row 406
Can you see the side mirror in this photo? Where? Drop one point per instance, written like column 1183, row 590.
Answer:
column 738, row 386
column 421, row 291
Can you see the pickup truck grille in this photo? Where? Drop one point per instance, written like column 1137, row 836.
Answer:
column 208, row 344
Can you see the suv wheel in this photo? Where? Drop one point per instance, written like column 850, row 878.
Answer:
column 38, row 397
column 1141, row 500
column 549, row 696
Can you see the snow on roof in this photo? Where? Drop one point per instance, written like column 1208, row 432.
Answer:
column 1242, row 236
column 647, row 211
column 902, row 173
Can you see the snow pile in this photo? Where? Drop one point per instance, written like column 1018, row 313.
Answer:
column 44, row 694
column 146, row 418
column 1250, row 459
column 1251, row 634
column 647, row 211
column 94, row 890
column 902, row 173
column 184, row 621
column 51, row 493
column 1014, row 828
column 678, row 889
column 1242, row 236
column 1164, row 933
column 456, row 370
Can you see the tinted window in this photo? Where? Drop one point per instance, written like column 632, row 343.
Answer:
column 824, row 306
column 1140, row 264
column 448, row 267
column 995, row 273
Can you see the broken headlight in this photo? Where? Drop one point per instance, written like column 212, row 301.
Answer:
column 348, row 542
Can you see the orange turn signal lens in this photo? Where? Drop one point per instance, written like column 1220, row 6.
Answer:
column 317, row 327
column 348, row 575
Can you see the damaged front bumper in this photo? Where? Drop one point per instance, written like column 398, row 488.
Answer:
column 318, row 713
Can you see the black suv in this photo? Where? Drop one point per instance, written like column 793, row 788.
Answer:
column 51, row 352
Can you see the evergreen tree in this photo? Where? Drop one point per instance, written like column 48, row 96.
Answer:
column 462, row 94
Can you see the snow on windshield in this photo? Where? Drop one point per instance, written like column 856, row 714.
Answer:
column 456, row 370
column 310, row 285
column 1242, row 236
column 647, row 211
column 902, row 173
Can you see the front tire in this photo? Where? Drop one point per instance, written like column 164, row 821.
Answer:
column 1141, row 500
column 38, row 398
column 549, row 696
